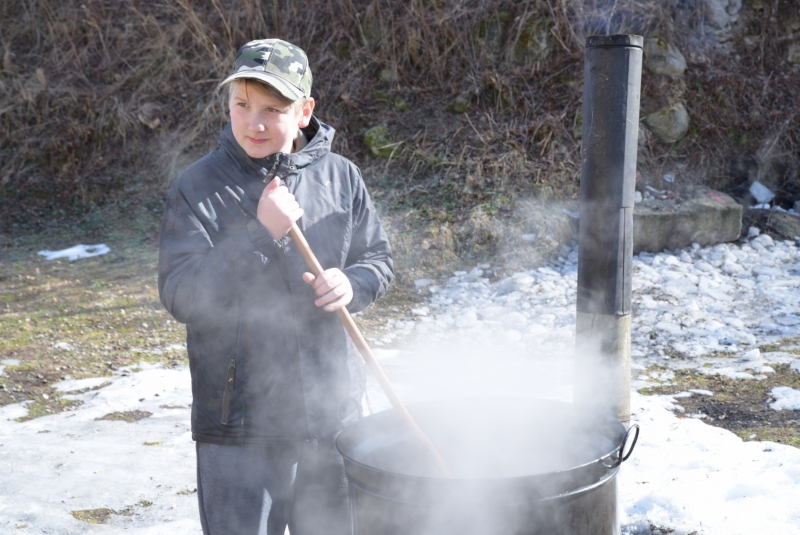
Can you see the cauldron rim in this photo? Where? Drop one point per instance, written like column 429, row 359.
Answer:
column 607, row 462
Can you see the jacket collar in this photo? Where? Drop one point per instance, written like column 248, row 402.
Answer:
column 319, row 135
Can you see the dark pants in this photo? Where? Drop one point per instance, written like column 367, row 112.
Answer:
column 259, row 490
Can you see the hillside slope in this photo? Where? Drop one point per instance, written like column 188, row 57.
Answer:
column 105, row 101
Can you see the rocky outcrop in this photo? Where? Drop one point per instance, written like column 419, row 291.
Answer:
column 663, row 110
column 719, row 18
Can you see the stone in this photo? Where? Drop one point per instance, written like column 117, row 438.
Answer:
column 794, row 54
column 751, row 42
column 533, row 43
column 372, row 28
column 705, row 217
column 461, row 104
column 423, row 283
column 761, row 193
column 782, row 225
column 669, row 124
column 661, row 57
column 149, row 114
column 719, row 18
column 377, row 141
column 387, row 74
column 414, row 44
column 720, row 14
column 492, row 35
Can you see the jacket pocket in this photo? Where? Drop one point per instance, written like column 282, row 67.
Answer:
column 226, row 397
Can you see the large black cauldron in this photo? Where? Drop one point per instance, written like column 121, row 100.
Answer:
column 519, row 465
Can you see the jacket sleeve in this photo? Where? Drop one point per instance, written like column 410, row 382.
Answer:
column 196, row 274
column 369, row 265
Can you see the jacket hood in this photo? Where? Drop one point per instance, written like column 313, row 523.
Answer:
column 319, row 135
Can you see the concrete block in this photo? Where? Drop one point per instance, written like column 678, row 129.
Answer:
column 785, row 225
column 779, row 225
column 703, row 216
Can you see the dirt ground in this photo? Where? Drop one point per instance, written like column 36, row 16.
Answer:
column 738, row 405
column 89, row 318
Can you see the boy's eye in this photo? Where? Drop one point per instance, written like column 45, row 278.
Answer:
column 273, row 110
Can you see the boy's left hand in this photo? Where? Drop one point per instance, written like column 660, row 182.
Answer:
column 332, row 288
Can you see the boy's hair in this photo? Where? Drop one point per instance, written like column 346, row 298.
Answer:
column 258, row 85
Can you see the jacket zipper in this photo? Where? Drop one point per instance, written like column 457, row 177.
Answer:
column 285, row 265
column 226, row 397
column 270, row 173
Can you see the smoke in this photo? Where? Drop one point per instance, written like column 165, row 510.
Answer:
column 607, row 17
column 482, row 364
column 493, row 393
column 695, row 26
column 677, row 20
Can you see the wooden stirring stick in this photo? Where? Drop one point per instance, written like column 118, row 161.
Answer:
column 363, row 348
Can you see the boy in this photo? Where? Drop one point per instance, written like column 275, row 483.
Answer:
column 274, row 374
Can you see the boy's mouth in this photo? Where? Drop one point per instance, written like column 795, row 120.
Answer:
column 256, row 141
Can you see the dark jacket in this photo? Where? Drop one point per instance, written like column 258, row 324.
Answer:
column 267, row 365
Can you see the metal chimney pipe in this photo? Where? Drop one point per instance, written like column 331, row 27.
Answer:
column 611, row 89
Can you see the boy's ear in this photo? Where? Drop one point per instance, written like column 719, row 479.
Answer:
column 305, row 114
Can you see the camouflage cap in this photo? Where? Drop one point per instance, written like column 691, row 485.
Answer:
column 277, row 63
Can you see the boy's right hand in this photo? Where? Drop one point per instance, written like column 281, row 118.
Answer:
column 278, row 209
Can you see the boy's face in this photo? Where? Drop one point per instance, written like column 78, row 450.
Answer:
column 261, row 124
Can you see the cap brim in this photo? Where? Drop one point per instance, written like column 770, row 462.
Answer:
column 288, row 91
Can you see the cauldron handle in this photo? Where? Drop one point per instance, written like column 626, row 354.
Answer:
column 622, row 455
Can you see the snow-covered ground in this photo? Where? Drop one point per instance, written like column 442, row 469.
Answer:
column 52, row 466
column 709, row 308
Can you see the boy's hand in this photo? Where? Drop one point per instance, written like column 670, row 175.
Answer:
column 332, row 287
column 278, row 209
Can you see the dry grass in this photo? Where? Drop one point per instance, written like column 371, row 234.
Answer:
column 741, row 406
column 102, row 100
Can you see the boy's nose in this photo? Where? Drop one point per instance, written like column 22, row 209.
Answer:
column 257, row 124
